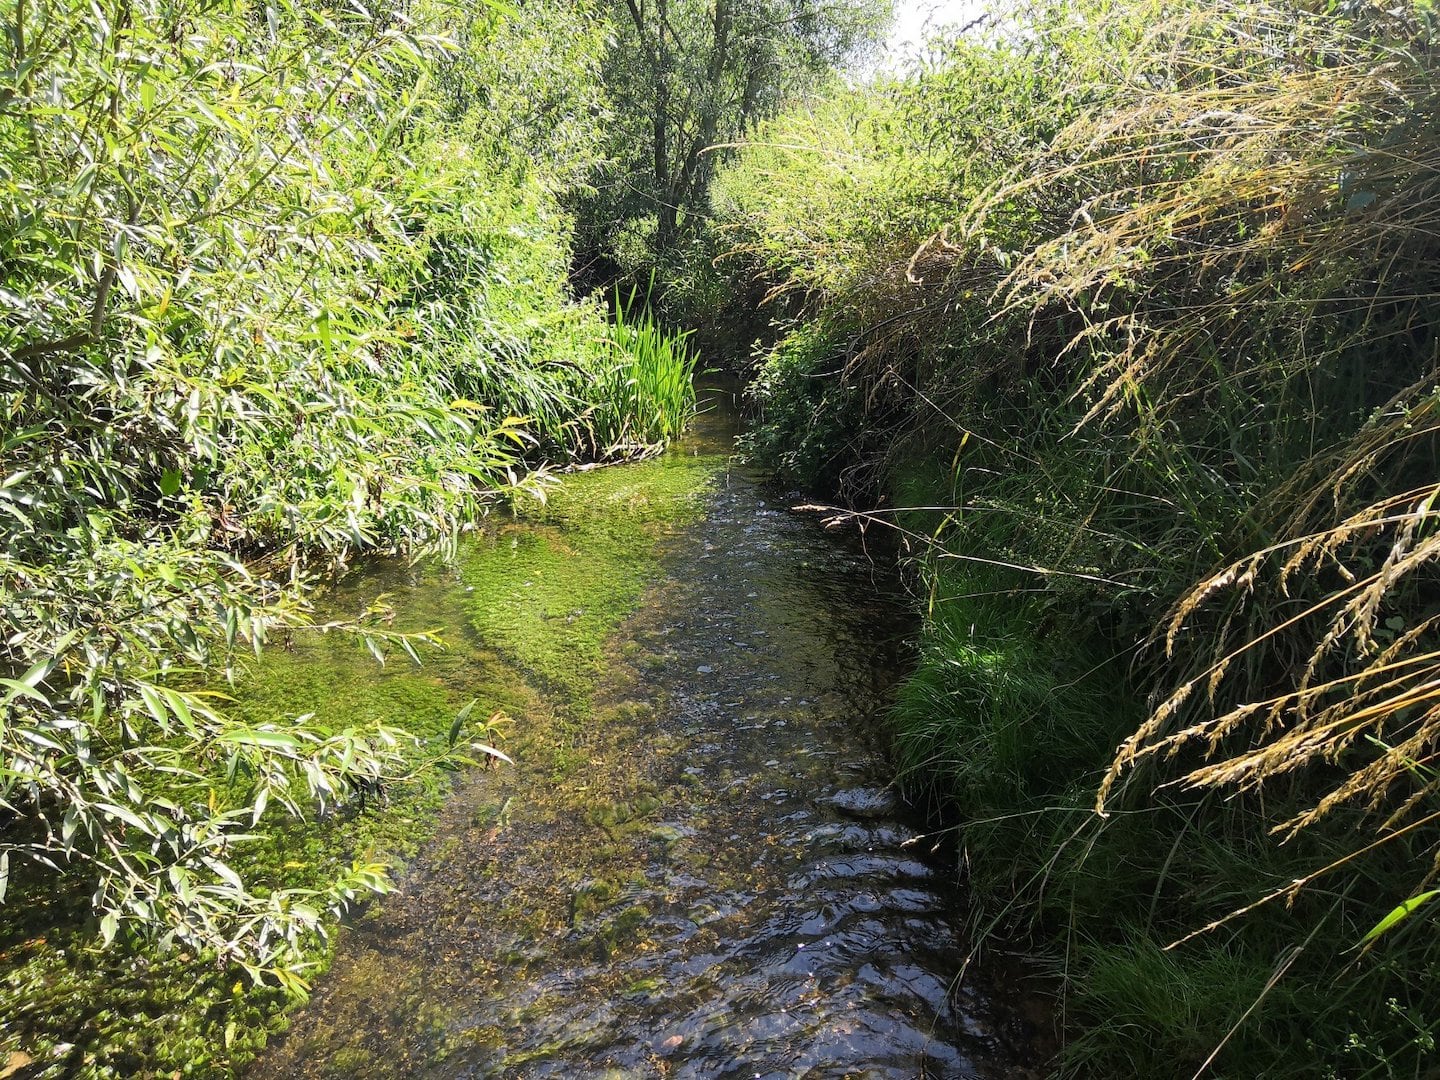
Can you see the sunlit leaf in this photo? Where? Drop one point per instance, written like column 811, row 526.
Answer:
column 1399, row 914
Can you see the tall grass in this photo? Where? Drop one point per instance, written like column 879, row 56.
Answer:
column 1149, row 291
column 645, row 386
column 993, row 714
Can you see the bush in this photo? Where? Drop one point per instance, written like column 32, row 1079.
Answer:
column 280, row 284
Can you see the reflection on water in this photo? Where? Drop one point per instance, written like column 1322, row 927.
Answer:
column 718, row 886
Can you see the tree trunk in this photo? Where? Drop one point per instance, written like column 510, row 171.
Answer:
column 687, row 179
column 665, row 209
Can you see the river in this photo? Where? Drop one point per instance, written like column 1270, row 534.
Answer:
column 710, row 878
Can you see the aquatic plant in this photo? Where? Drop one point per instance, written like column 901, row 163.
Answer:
column 645, row 388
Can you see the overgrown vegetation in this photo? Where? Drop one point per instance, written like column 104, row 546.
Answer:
column 646, row 392
column 1124, row 312
column 281, row 284
column 686, row 78
column 1138, row 299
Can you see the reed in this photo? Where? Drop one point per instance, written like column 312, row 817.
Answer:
column 645, row 389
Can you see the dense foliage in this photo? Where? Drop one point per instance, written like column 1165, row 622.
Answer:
column 1122, row 312
column 1133, row 306
column 685, row 79
column 281, row 283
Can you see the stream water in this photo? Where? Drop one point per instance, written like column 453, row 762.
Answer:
column 714, row 883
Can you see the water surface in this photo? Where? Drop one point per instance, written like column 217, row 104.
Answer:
column 694, row 869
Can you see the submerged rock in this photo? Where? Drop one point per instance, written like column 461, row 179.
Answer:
column 865, row 803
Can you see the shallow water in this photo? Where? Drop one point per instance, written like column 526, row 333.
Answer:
column 713, row 881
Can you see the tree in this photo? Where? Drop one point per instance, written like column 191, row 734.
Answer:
column 688, row 77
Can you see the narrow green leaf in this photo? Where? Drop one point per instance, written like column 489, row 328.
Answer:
column 1399, row 914
column 278, row 740
column 19, row 689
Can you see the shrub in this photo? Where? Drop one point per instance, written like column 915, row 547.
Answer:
column 278, row 280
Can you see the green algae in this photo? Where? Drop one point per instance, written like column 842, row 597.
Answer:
column 589, row 898
column 548, row 594
column 643, row 987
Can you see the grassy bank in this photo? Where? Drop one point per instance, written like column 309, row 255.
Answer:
column 1131, row 306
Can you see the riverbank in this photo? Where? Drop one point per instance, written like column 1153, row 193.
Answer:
column 1084, row 311
column 283, row 293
